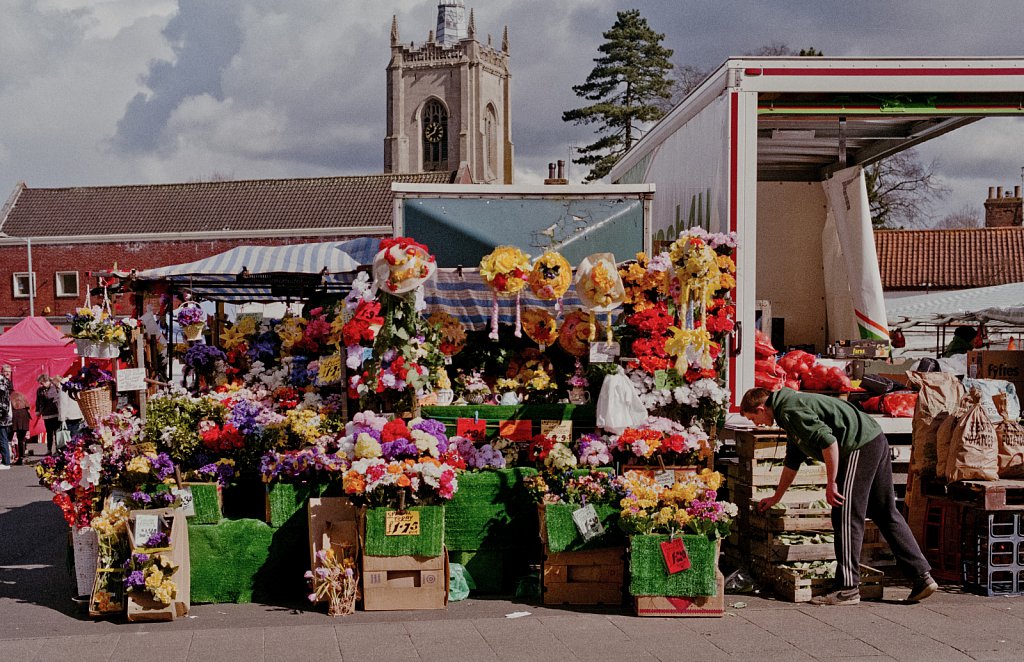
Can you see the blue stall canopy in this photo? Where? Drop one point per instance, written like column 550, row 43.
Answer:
column 462, row 223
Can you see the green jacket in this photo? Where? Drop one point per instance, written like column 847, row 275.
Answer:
column 814, row 422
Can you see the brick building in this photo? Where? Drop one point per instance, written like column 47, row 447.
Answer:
column 68, row 233
column 1003, row 209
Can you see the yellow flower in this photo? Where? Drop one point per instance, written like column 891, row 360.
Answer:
column 712, row 479
column 504, row 261
column 139, row 464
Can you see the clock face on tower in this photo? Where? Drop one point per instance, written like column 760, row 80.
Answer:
column 433, row 132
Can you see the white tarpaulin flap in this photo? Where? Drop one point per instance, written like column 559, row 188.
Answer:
column 853, row 285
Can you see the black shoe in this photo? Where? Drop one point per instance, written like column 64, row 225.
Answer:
column 922, row 588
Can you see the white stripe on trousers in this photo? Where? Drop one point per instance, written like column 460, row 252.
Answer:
column 845, row 523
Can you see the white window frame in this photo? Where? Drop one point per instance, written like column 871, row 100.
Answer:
column 17, row 291
column 58, row 281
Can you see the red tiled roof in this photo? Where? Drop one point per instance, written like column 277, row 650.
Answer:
column 950, row 259
column 253, row 205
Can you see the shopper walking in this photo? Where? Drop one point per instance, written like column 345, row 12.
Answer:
column 48, row 408
column 857, row 458
column 70, row 412
column 21, row 419
column 6, row 386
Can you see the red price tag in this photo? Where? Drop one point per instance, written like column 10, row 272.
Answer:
column 676, row 558
column 517, row 430
column 473, row 429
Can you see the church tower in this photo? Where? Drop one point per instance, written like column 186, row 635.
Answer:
column 448, row 101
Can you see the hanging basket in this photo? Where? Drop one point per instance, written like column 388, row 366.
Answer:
column 96, row 404
column 194, row 331
column 94, row 349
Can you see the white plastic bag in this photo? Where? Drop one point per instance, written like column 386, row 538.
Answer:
column 989, row 388
column 619, row 406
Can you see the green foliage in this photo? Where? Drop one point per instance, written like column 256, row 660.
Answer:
column 630, row 77
column 172, row 423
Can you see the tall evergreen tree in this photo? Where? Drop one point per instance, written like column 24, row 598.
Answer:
column 630, row 77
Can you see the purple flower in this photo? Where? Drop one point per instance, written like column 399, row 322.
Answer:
column 203, row 358
column 244, row 417
column 436, row 429
column 399, row 448
column 134, row 579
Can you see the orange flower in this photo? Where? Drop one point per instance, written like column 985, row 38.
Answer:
column 394, row 468
column 403, row 481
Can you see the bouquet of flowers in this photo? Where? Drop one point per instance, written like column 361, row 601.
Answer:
column 151, row 573
column 506, row 270
column 88, row 377
column 190, row 314
column 308, row 464
column 202, row 359
column 595, row 487
column 647, row 282
column 485, row 456
column 662, row 441
column 593, row 451
column 97, row 324
column 335, row 580
column 691, row 506
column 546, row 453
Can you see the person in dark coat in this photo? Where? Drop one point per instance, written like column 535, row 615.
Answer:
column 48, row 408
column 21, row 418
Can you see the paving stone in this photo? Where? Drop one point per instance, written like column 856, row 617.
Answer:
column 135, row 646
column 385, row 642
column 226, row 645
column 829, row 647
column 82, row 648
column 303, row 643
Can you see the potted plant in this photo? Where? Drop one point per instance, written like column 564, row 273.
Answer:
column 192, row 320
column 97, row 333
column 90, row 386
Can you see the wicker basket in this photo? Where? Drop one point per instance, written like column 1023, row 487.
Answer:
column 194, row 331
column 96, row 404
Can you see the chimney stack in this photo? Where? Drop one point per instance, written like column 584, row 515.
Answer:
column 560, row 179
column 1003, row 209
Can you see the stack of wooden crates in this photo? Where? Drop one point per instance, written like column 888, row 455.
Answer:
column 765, row 542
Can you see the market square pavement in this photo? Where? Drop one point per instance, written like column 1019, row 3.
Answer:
column 39, row 621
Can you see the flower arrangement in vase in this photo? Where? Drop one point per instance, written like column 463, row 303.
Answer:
column 192, row 320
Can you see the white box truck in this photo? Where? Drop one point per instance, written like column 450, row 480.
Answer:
column 769, row 148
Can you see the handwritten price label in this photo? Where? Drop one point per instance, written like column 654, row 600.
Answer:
column 559, row 431
column 469, row 428
column 401, row 524
column 587, row 522
column 676, row 558
column 188, row 504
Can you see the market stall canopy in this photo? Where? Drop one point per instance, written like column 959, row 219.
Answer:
column 1004, row 303
column 265, row 273
column 32, row 347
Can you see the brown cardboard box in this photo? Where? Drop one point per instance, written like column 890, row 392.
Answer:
column 997, row 364
column 392, row 583
column 332, row 522
column 665, row 607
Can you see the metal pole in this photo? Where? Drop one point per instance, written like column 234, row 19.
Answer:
column 31, row 282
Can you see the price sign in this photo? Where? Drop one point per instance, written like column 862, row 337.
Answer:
column 185, row 499
column 587, row 522
column 402, row 524
column 131, row 379
column 604, row 352
column 145, row 527
column 665, row 477
column 559, row 431
column 470, row 428
column 676, row 558
column 518, row 430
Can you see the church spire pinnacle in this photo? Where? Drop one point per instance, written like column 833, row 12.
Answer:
column 394, row 30
column 504, row 40
column 471, row 32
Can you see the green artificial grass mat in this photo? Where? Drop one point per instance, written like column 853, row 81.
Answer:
column 649, row 576
column 582, row 416
column 206, row 499
column 491, row 509
column 286, row 502
column 246, row 560
column 429, row 543
column 563, row 536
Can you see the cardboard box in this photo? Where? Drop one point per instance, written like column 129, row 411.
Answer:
column 332, row 523
column 140, row 606
column 997, row 364
column 861, row 349
column 392, row 583
column 702, row 607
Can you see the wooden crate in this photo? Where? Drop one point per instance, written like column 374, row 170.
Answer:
column 801, row 495
column 791, row 587
column 590, row 577
column 766, row 471
column 1003, row 494
column 802, row 517
column 775, row 550
column 759, row 444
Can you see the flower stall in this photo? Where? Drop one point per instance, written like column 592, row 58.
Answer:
column 492, row 419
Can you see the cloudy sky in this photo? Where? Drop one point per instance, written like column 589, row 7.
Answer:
column 97, row 92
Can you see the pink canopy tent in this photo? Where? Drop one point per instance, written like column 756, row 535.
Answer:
column 31, row 347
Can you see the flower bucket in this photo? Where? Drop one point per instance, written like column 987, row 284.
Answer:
column 445, row 396
column 85, row 548
column 194, row 331
column 96, row 404
column 94, row 349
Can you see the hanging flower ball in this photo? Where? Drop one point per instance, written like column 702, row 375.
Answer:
column 506, row 269
column 578, row 328
column 551, row 276
column 402, row 265
column 540, row 326
column 598, row 283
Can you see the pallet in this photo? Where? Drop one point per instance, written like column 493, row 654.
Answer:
column 791, row 587
column 1005, row 494
column 590, row 577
